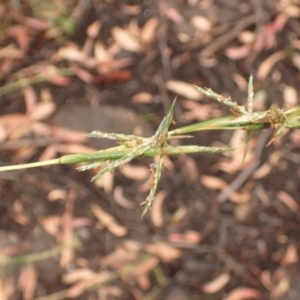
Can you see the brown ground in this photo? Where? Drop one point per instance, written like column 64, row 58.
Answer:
column 123, row 58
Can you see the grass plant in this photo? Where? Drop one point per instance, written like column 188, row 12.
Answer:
column 132, row 146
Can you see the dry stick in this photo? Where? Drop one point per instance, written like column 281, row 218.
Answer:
column 227, row 37
column 246, row 173
column 27, row 142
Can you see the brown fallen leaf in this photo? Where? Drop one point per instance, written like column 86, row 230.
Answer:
column 142, row 97
column 81, row 73
column 266, row 66
column 97, row 278
column 28, row 282
column 121, row 199
column 290, row 256
column 280, row 288
column 11, row 52
column 57, row 194
column 70, row 53
column 243, row 293
column 156, row 210
column 213, row 182
column 289, row 201
column 188, row 237
column 236, row 53
column 216, row 284
column 201, row 23
column 108, row 221
column 144, row 267
column 148, row 32
column 67, row 254
column 163, row 251
column 125, row 39
column 42, row 111
column 94, row 29
column 20, row 33
column 290, row 96
column 30, row 98
column 37, row 24
column 135, row 172
column 184, row 89
column 51, row 224
column 77, row 275
column 101, row 54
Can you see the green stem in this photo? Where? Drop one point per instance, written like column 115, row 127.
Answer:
column 114, row 154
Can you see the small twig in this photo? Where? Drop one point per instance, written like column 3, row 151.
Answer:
column 246, row 173
column 227, row 37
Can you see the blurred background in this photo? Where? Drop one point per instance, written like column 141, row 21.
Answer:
column 69, row 67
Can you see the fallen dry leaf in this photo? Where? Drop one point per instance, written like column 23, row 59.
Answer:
column 142, row 97
column 81, row 73
column 216, row 284
column 247, row 37
column 57, row 194
column 11, row 52
column 149, row 31
column 163, row 251
column 156, row 211
column 184, row 89
column 42, row 111
column 77, row 274
column 51, row 224
column 201, row 23
column 198, row 112
column 71, row 53
column 125, row 39
column 106, row 181
column 119, row 197
column 119, row 258
column 110, row 291
column 37, row 24
column 266, row 66
column 266, row 279
column 68, row 135
column 188, row 237
column 172, row 14
column 243, row 293
column 30, row 98
column 101, row 54
column 289, row 201
column 19, row 213
column 178, row 215
column 190, row 165
column 132, row 10
column 28, row 282
column 96, row 278
column 290, row 256
column 135, row 172
column 67, row 254
column 3, row 134
column 20, row 33
column 240, row 81
column 94, row 29
column 236, row 53
column 280, row 288
column 49, row 152
column 290, row 96
column 144, row 267
column 213, row 182
column 262, row 171
column 108, row 221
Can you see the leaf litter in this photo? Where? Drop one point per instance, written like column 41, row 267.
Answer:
column 95, row 56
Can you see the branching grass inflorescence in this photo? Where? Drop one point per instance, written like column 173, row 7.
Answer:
column 132, row 146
